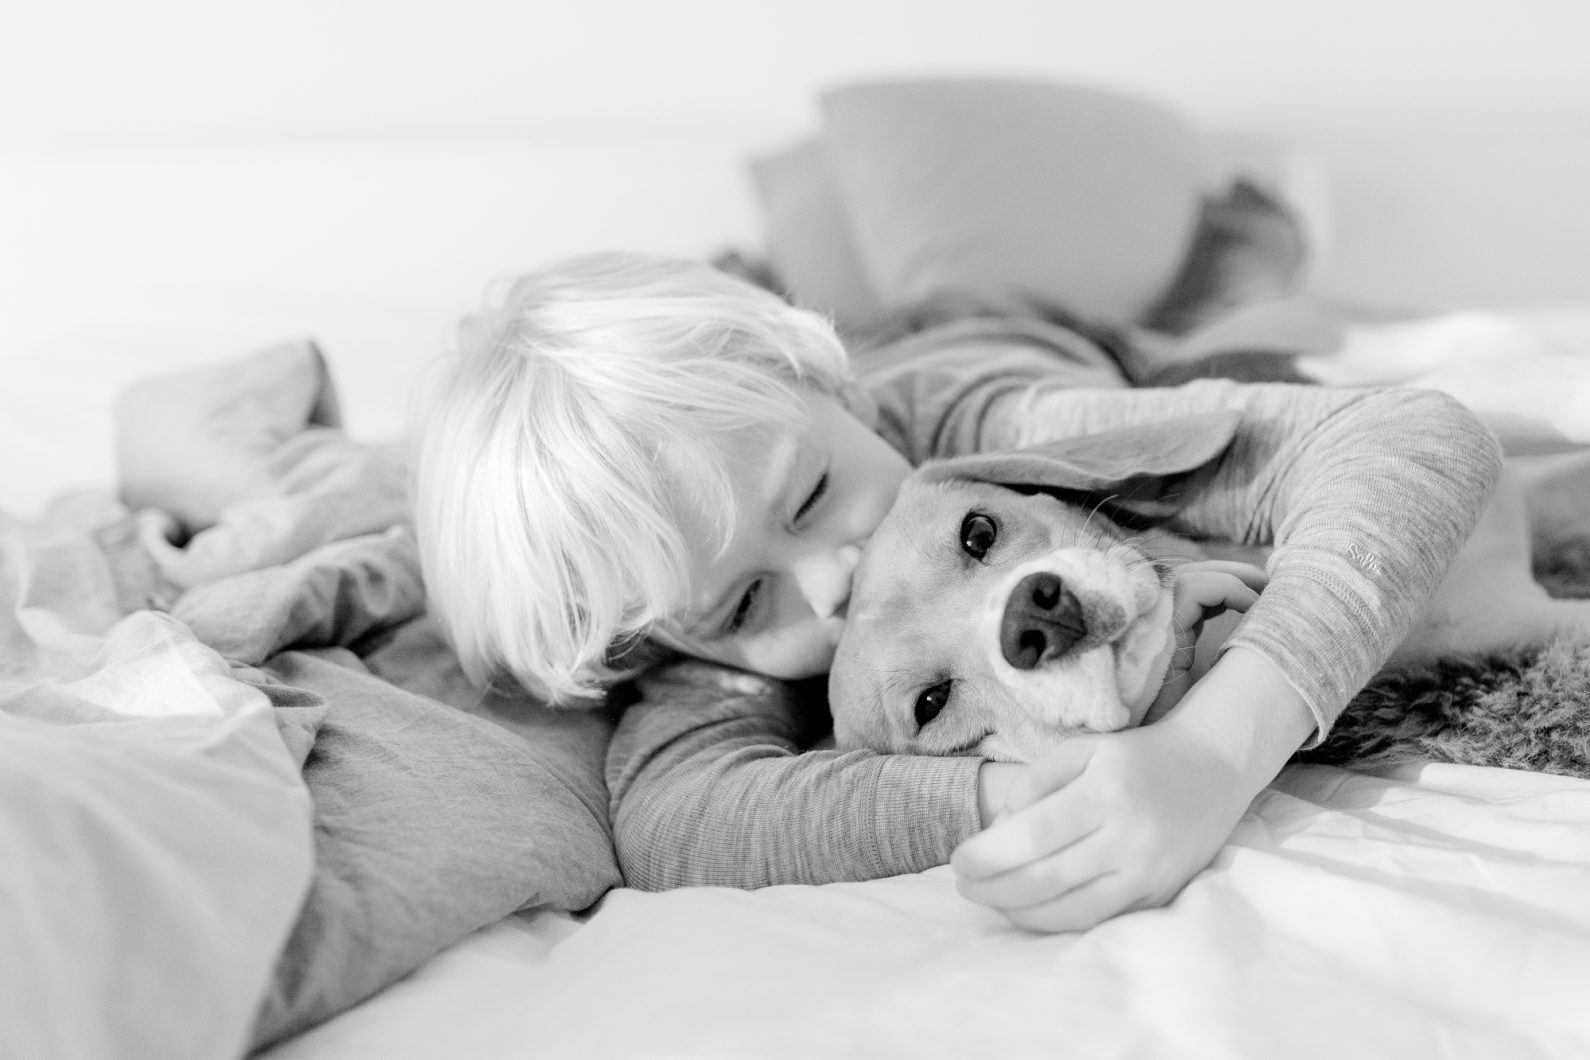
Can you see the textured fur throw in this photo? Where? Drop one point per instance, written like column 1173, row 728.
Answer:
column 1527, row 709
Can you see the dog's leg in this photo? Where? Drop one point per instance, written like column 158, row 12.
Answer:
column 1490, row 600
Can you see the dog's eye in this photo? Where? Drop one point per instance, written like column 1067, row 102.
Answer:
column 930, row 704
column 977, row 534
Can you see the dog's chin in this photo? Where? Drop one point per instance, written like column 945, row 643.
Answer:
column 1032, row 733
column 1150, row 678
column 1105, row 688
column 1101, row 687
column 1107, row 681
column 1124, row 704
column 1144, row 659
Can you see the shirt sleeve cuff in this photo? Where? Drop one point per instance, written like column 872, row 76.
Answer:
column 925, row 808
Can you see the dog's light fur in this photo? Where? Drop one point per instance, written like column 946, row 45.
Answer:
column 921, row 612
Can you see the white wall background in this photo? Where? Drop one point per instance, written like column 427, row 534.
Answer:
column 1431, row 114
column 114, row 69
column 190, row 178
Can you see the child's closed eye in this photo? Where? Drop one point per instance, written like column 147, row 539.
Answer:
column 742, row 609
column 812, row 499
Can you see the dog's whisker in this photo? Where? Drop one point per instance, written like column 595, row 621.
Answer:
column 893, row 679
column 1131, row 555
column 1165, row 565
column 1152, row 536
column 1087, row 523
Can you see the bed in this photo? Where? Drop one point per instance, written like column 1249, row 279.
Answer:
column 1422, row 910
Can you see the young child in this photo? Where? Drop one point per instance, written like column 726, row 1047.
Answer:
column 632, row 458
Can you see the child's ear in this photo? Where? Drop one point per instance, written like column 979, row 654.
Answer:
column 859, row 402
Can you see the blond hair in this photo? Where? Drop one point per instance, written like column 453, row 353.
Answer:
column 589, row 408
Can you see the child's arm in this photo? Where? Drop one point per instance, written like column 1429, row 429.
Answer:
column 1367, row 496
column 708, row 787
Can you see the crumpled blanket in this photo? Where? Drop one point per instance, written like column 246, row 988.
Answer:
column 243, row 784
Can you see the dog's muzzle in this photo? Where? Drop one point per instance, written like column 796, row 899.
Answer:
column 1042, row 621
column 1071, row 636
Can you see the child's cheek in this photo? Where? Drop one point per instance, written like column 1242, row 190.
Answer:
column 797, row 651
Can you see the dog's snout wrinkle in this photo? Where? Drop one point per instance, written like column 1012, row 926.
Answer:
column 1041, row 622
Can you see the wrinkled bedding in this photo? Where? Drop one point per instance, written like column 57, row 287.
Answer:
column 244, row 787
column 1434, row 912
column 244, row 784
column 157, row 837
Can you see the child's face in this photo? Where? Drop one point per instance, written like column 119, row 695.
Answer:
column 775, row 601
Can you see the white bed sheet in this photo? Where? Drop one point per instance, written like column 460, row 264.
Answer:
column 1442, row 911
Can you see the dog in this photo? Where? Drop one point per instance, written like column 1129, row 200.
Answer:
column 1072, row 630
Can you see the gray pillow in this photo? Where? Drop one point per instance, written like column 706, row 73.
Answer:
column 1082, row 196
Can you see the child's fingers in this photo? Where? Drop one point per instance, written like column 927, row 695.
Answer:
column 1019, row 841
column 1203, row 594
column 1084, row 906
column 1048, row 774
column 1040, row 881
column 1215, row 589
column 1254, row 577
column 1027, row 835
column 1105, row 891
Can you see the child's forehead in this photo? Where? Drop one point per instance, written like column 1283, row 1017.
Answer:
column 752, row 464
column 764, row 463
column 766, row 448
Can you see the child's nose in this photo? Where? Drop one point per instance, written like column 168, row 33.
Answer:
column 824, row 577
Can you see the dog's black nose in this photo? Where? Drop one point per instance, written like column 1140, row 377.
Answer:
column 1042, row 621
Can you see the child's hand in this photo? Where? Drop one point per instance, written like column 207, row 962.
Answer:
column 1113, row 822
column 1103, row 825
column 1204, row 589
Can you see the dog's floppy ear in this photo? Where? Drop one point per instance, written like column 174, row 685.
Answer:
column 1141, row 468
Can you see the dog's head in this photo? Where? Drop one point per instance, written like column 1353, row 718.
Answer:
column 1005, row 601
